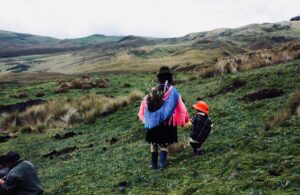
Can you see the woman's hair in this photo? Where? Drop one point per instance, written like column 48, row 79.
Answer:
column 165, row 77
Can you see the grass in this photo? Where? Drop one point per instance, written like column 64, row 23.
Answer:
column 67, row 112
column 240, row 157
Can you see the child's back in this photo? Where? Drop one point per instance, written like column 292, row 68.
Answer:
column 201, row 128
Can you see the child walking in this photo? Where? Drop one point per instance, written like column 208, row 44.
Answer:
column 201, row 127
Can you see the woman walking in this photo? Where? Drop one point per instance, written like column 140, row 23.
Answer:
column 161, row 112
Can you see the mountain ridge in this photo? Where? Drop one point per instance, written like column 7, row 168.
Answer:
column 96, row 53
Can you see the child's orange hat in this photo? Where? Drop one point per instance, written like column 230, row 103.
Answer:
column 202, row 106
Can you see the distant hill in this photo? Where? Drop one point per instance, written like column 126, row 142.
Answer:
column 17, row 44
column 136, row 53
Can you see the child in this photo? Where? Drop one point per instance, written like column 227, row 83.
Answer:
column 201, row 127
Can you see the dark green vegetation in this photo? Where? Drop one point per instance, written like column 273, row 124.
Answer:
column 240, row 156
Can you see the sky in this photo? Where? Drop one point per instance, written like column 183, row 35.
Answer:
column 154, row 18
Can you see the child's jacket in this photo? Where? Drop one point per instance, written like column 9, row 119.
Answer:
column 201, row 127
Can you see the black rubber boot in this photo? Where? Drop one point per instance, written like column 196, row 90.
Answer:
column 154, row 160
column 162, row 159
column 195, row 147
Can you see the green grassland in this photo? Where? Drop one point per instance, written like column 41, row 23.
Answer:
column 240, row 157
column 99, row 53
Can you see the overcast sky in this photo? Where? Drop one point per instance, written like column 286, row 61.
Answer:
column 158, row 18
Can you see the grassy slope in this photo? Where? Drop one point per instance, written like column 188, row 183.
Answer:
column 19, row 39
column 93, row 39
column 105, row 53
column 238, row 154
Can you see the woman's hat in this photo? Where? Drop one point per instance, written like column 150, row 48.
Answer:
column 12, row 157
column 202, row 106
column 164, row 70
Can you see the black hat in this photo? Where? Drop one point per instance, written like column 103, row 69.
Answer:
column 2, row 159
column 164, row 70
column 12, row 157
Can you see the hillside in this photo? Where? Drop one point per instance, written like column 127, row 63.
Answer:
column 111, row 157
column 19, row 44
column 99, row 53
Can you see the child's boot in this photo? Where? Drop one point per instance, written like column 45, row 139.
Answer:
column 162, row 159
column 199, row 152
column 154, row 161
column 195, row 147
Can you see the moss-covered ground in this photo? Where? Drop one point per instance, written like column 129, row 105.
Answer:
column 240, row 157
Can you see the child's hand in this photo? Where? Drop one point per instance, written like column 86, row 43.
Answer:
column 2, row 182
column 189, row 123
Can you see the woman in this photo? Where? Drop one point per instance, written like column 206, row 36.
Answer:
column 161, row 119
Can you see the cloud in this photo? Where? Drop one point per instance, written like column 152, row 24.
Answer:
column 160, row 18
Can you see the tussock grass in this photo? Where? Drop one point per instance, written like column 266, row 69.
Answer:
column 66, row 113
column 256, row 59
column 207, row 72
column 277, row 119
column 84, row 82
column 40, row 94
column 293, row 108
column 294, row 101
column 178, row 147
column 20, row 95
column 62, row 88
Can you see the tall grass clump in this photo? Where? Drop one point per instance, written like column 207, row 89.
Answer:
column 293, row 108
column 256, row 59
column 294, row 102
column 66, row 113
column 277, row 119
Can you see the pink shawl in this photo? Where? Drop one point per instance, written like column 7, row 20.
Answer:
column 180, row 116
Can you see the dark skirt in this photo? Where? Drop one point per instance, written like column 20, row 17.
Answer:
column 162, row 135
